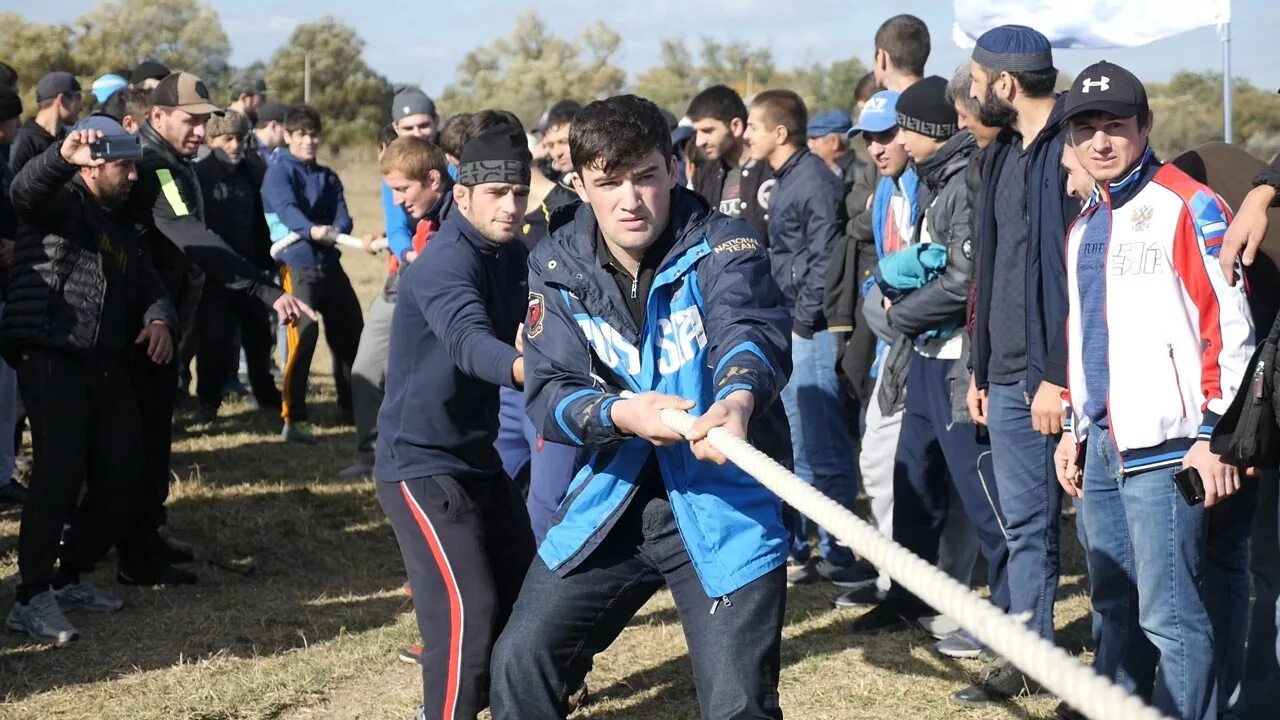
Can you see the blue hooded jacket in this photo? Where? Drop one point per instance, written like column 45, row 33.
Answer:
column 715, row 324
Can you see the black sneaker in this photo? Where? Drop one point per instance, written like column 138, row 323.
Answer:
column 865, row 594
column 155, row 573
column 175, row 551
column 803, row 574
column 1002, row 683
column 205, row 415
column 888, row 616
column 850, row 576
column 12, row 493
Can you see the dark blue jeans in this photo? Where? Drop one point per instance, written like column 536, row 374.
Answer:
column 1257, row 698
column 933, row 451
column 821, row 438
column 1031, row 501
column 560, row 623
column 1226, row 586
column 1146, row 559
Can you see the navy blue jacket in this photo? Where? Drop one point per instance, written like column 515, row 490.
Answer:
column 805, row 221
column 1049, row 211
column 452, row 344
column 297, row 195
column 714, row 324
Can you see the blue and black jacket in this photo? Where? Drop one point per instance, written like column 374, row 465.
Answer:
column 297, row 195
column 715, row 323
column 1049, row 211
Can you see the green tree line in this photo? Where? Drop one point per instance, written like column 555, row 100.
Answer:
column 525, row 71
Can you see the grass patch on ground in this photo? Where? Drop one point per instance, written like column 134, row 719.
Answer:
column 299, row 614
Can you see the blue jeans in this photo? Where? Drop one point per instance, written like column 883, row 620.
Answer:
column 560, row 623
column 1031, row 501
column 1146, row 559
column 1257, row 697
column 821, row 438
column 1226, row 585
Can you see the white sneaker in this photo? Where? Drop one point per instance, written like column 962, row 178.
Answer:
column 42, row 619
column 87, row 597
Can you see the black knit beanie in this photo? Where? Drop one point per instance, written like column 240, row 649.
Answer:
column 924, row 108
column 499, row 155
column 10, row 103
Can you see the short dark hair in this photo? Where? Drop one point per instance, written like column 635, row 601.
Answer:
column 617, row 134
column 562, row 113
column 1034, row 84
column 137, row 102
column 785, row 108
column 485, row 120
column 302, row 119
column 387, row 135
column 8, row 76
column 906, row 39
column 113, row 107
column 718, row 102
column 865, row 88
column 452, row 132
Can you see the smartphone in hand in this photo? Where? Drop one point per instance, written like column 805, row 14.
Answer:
column 117, row 147
column 1189, row 483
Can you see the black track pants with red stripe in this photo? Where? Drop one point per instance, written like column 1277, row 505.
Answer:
column 467, row 547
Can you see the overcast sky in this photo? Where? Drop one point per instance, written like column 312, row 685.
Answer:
column 421, row 42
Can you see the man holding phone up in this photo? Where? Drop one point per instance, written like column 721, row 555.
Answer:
column 1146, row 388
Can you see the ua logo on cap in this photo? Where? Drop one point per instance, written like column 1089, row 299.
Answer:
column 1104, row 84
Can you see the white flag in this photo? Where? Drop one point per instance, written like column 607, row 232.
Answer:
column 1090, row 23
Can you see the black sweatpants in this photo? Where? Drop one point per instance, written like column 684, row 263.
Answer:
column 467, row 547
column 223, row 318
column 84, row 433
column 328, row 291
column 156, row 389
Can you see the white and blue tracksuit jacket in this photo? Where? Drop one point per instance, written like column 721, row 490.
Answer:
column 715, row 323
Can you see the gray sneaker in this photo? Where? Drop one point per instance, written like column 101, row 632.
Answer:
column 86, row 596
column 299, row 432
column 959, row 644
column 361, row 468
column 42, row 619
column 939, row 626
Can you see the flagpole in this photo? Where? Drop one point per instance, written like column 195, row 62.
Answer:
column 1227, row 133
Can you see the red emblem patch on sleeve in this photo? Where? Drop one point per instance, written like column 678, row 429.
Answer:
column 533, row 323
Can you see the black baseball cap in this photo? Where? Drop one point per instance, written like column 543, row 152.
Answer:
column 1108, row 88
column 56, row 83
column 148, row 70
column 272, row 111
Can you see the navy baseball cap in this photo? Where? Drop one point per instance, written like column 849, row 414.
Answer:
column 1108, row 88
column 57, row 83
column 104, row 123
column 829, row 122
column 879, row 114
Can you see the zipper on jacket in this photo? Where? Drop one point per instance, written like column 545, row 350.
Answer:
column 722, row 600
column 1257, row 388
column 635, row 286
column 1177, row 380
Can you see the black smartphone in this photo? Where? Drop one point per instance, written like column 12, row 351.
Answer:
column 1190, row 485
column 117, row 147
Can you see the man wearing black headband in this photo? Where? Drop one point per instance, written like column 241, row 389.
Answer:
column 460, row 522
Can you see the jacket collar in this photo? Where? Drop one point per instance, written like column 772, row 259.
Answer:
column 577, row 239
column 951, row 158
column 152, row 141
column 1121, row 191
column 471, row 235
column 792, row 162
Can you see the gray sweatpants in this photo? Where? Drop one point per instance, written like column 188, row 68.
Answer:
column 369, row 373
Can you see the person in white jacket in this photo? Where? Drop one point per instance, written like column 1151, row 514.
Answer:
column 1158, row 341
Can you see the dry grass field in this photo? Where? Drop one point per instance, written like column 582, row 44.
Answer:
column 298, row 613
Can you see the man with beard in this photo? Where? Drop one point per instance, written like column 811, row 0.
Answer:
column 233, row 207
column 729, row 178
column 188, row 255
column 460, row 522
column 84, row 296
column 1019, row 331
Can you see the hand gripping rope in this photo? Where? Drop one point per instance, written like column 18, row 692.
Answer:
column 1077, row 684
column 334, row 237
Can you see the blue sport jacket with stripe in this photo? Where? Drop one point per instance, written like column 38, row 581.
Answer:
column 715, row 323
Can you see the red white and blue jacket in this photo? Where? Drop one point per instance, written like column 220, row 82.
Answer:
column 1179, row 336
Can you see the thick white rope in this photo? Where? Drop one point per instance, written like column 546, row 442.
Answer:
column 336, row 238
column 1069, row 679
